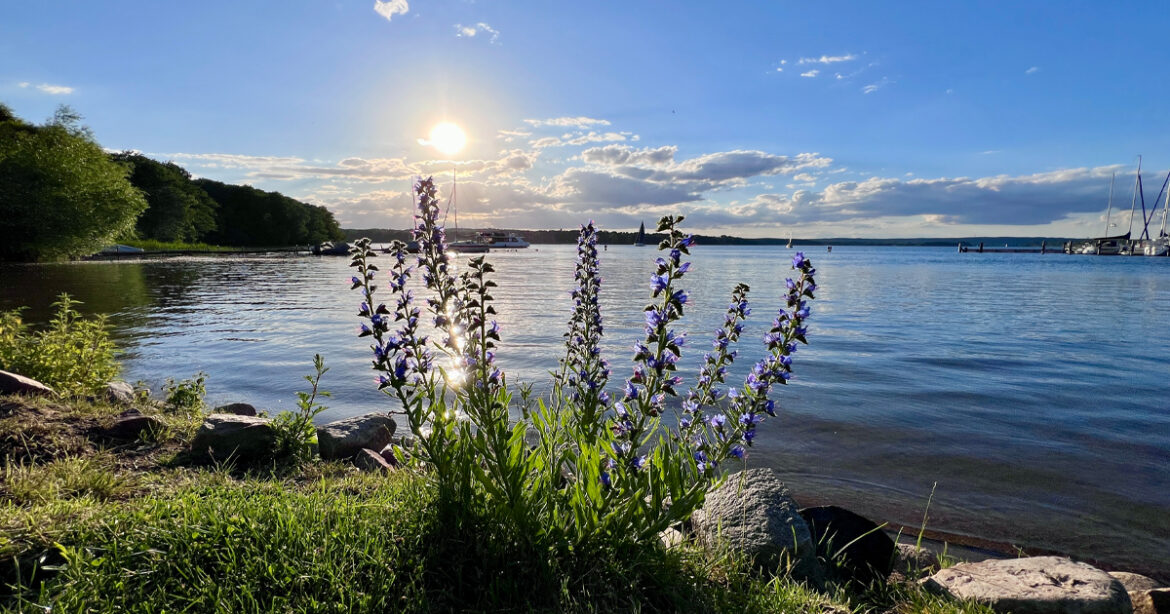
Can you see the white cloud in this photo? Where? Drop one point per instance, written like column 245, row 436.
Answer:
column 581, row 123
column 614, row 155
column 390, row 8
column 52, row 90
column 1033, row 70
column 828, row 59
column 812, row 73
column 873, row 87
column 580, row 138
column 463, row 31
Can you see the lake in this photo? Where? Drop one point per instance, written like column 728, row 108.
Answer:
column 1033, row 389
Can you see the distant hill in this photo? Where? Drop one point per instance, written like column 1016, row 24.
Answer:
column 383, row 235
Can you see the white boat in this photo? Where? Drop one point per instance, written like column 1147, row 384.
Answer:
column 1161, row 245
column 508, row 240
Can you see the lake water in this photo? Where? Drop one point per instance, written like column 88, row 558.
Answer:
column 1034, row 390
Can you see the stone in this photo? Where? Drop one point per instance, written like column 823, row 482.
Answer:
column 671, row 537
column 1134, row 582
column 130, row 424
column 345, row 438
column 238, row 409
column 119, row 393
column 913, row 561
column 753, row 512
column 851, row 547
column 11, row 383
column 389, row 455
column 1034, row 585
column 369, row 460
column 1152, row 601
column 228, row 435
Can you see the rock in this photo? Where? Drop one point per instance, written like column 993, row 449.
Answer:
column 229, row 435
column 1152, row 601
column 753, row 512
column 389, row 455
column 911, row 561
column 11, row 383
column 671, row 537
column 1034, row 585
column 345, row 438
column 119, row 393
column 238, row 409
column 369, row 460
column 130, row 424
column 1134, row 582
column 851, row 547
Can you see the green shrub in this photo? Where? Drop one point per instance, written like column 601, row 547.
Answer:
column 73, row 354
column 296, row 437
column 185, row 396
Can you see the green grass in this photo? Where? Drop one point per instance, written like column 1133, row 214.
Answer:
column 152, row 245
column 129, row 528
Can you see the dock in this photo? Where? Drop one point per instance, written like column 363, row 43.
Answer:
column 980, row 249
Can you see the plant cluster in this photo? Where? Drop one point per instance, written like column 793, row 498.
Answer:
column 587, row 465
column 73, row 354
column 296, row 437
column 185, row 396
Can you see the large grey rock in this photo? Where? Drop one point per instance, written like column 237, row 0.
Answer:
column 239, row 409
column 1134, row 582
column 119, row 393
column 11, row 383
column 1152, row 601
column 851, row 547
column 1035, row 585
column 752, row 512
column 369, row 460
column 345, row 438
column 228, row 435
column 130, row 424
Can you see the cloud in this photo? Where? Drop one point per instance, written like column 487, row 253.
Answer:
column 873, row 87
column 390, row 8
column 580, row 123
column 463, row 31
column 1023, row 200
column 1033, row 70
column 580, row 138
column 615, row 155
column 828, row 59
column 52, row 90
column 811, row 73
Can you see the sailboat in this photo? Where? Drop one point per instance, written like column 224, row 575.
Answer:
column 789, row 241
column 466, row 246
column 1109, row 245
column 640, row 241
column 1161, row 245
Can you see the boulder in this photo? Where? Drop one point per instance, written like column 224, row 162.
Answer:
column 369, row 460
column 911, row 561
column 1134, row 582
column 239, row 409
column 11, row 383
column 389, row 455
column 345, row 438
column 119, row 393
column 1034, row 585
column 753, row 512
column 228, row 435
column 1152, row 601
column 130, row 424
column 852, row 548
column 672, row 537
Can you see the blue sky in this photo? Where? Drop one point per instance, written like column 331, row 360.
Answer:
column 758, row 119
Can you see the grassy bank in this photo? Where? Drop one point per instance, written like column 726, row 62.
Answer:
column 91, row 524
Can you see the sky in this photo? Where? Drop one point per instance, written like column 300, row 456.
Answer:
column 815, row 119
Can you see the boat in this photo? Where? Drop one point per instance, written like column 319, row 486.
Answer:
column 466, row 246
column 121, row 249
column 499, row 239
column 789, row 246
column 1159, row 246
column 640, row 240
column 1111, row 245
column 330, row 248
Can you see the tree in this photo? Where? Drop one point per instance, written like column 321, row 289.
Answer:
column 179, row 210
column 60, row 195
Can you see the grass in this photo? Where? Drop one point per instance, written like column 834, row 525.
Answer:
column 86, row 526
column 151, row 245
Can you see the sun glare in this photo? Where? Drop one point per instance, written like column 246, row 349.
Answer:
column 447, row 138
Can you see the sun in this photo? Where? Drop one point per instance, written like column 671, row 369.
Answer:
column 447, row 138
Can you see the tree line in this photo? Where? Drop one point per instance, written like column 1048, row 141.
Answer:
column 62, row 196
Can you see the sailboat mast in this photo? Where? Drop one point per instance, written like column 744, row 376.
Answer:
column 1165, row 208
column 1109, row 211
column 1132, row 206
